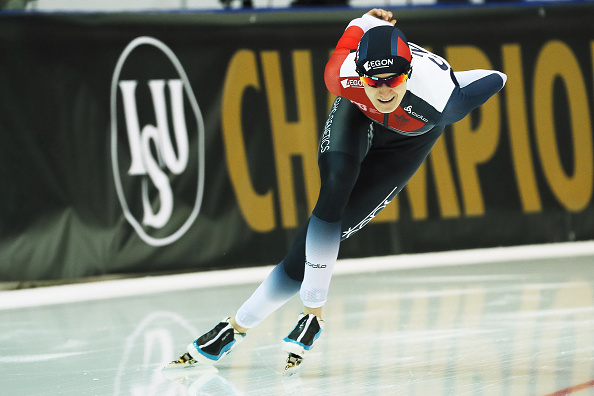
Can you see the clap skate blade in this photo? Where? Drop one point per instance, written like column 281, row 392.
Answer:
column 184, row 360
column 293, row 364
column 186, row 368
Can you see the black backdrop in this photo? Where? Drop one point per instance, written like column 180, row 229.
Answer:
column 170, row 142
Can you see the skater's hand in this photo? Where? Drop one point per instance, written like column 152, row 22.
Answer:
column 383, row 15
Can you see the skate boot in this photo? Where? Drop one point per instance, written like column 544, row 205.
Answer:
column 212, row 346
column 300, row 340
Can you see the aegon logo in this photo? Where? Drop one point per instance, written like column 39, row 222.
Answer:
column 352, row 82
column 376, row 64
column 148, row 160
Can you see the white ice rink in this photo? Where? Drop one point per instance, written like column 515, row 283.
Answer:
column 514, row 321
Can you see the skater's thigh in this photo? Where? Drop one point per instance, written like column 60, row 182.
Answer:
column 384, row 173
column 347, row 130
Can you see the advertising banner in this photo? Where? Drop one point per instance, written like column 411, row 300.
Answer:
column 143, row 143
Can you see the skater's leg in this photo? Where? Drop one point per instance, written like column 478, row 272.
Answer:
column 321, row 251
column 338, row 173
column 384, row 173
column 283, row 283
column 274, row 292
column 316, row 249
column 346, row 140
column 320, row 247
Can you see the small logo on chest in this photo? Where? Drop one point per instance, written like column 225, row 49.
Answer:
column 410, row 111
column 401, row 119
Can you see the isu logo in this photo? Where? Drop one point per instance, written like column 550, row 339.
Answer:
column 157, row 141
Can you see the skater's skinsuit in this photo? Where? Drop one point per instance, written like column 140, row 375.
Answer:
column 365, row 159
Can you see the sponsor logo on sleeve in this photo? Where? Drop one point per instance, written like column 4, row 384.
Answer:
column 351, row 83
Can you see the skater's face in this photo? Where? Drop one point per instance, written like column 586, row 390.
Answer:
column 385, row 98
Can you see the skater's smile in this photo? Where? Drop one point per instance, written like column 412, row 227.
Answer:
column 384, row 97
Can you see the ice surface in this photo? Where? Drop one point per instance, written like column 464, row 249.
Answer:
column 515, row 327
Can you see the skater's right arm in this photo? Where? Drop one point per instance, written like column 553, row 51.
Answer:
column 348, row 44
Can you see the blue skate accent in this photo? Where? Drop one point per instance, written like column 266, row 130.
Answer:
column 306, row 347
column 214, row 358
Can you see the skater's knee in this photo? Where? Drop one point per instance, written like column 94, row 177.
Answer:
column 293, row 269
column 338, row 171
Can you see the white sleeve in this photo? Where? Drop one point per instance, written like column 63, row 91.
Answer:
column 466, row 77
column 367, row 22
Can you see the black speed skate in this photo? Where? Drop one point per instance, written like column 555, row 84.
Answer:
column 301, row 340
column 211, row 346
